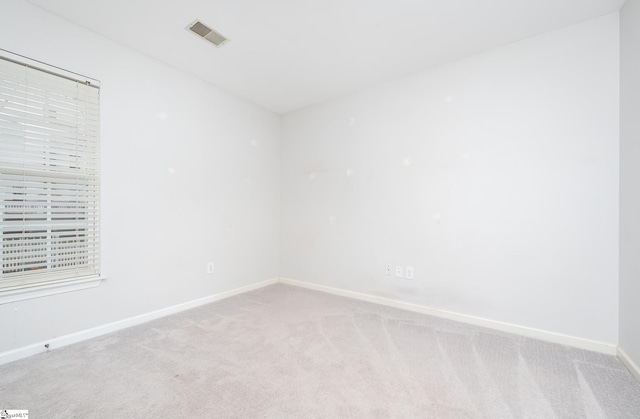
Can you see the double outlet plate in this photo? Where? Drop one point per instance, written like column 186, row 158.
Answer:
column 400, row 272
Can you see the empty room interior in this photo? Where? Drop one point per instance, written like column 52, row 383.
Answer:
column 320, row 208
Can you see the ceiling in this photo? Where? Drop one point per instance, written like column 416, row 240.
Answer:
column 287, row 54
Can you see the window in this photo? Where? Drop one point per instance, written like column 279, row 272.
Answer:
column 49, row 180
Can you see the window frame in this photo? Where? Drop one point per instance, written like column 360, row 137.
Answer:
column 48, row 282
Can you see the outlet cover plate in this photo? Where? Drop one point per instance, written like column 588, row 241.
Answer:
column 408, row 272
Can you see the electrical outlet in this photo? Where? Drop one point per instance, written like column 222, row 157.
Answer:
column 389, row 270
column 408, row 272
column 398, row 271
column 210, row 267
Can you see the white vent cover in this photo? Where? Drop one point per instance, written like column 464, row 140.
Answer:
column 205, row 32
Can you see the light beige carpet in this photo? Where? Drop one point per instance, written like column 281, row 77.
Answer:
column 286, row 352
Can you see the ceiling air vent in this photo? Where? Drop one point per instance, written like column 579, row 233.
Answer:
column 205, row 32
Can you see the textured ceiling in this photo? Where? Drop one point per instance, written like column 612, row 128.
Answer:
column 287, row 54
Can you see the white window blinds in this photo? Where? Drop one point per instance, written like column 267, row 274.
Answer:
column 49, row 177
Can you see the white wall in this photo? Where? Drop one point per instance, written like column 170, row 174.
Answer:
column 189, row 174
column 496, row 177
column 630, row 180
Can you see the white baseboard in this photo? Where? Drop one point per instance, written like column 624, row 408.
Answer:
column 37, row 348
column 633, row 368
column 61, row 341
column 553, row 337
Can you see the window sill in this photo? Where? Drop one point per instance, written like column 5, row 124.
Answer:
column 11, row 295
